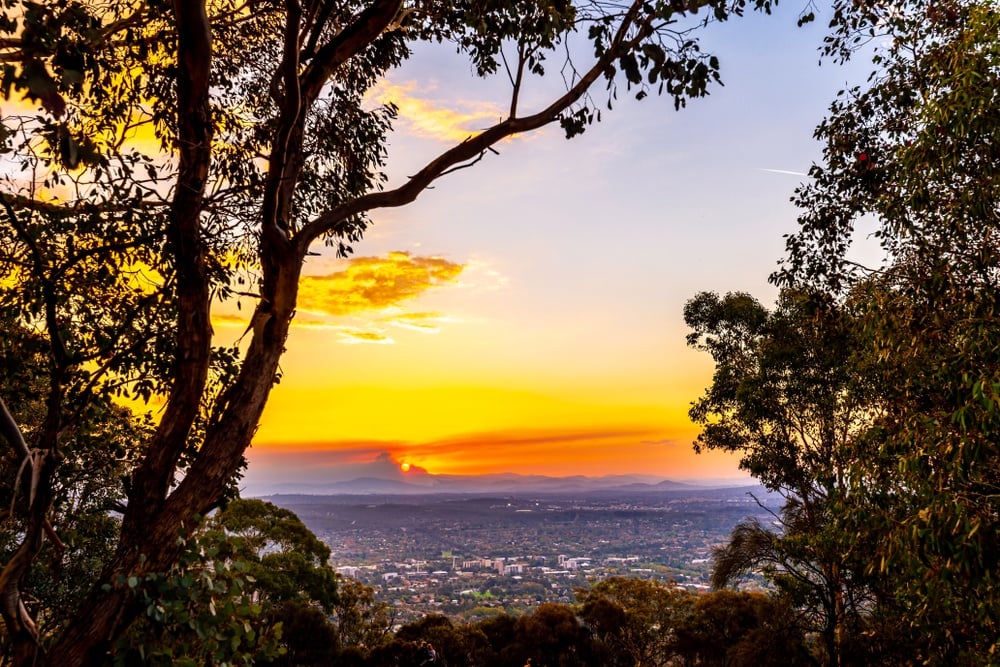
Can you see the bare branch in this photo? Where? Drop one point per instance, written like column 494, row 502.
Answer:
column 50, row 533
column 10, row 431
column 79, row 207
column 522, row 57
column 468, row 164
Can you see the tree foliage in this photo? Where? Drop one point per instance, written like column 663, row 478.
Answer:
column 180, row 154
column 253, row 587
column 916, row 151
column 908, row 489
column 286, row 561
column 787, row 397
column 783, row 395
column 361, row 620
column 617, row 622
column 637, row 619
column 204, row 610
column 737, row 629
column 87, row 493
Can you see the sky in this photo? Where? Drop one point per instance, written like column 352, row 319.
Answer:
column 525, row 315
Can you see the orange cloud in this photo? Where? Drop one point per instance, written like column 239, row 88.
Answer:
column 536, row 450
column 372, row 283
column 366, row 284
column 428, row 119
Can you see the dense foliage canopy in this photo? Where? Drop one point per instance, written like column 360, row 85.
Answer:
column 912, row 154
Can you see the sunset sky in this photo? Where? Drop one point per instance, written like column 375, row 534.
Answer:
column 525, row 315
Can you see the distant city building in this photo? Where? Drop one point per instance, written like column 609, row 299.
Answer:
column 477, row 564
column 618, row 559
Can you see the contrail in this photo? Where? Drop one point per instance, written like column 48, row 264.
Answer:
column 784, row 171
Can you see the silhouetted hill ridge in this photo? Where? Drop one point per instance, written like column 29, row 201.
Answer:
column 503, row 483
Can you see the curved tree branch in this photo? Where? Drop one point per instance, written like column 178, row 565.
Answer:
column 334, row 220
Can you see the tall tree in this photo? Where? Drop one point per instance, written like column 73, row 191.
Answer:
column 287, row 562
column 915, row 152
column 265, row 148
column 254, row 587
column 361, row 620
column 787, row 398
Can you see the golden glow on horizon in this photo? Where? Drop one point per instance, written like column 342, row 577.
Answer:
column 485, row 396
column 477, row 430
column 373, row 412
column 404, row 466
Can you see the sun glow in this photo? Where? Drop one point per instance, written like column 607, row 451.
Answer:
column 405, row 467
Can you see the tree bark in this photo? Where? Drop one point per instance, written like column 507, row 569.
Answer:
column 149, row 535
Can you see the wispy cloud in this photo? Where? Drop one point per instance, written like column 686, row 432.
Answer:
column 514, row 446
column 422, row 322
column 427, row 118
column 531, row 438
column 480, row 275
column 372, row 283
column 351, row 336
column 667, row 442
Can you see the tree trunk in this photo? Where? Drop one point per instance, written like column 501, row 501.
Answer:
column 106, row 614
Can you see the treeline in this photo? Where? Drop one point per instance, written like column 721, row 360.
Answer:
column 618, row 623
column 256, row 588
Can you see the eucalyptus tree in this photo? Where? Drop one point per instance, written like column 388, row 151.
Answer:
column 787, row 398
column 188, row 152
column 914, row 153
column 742, row 629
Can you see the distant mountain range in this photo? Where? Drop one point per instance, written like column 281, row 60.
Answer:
column 425, row 483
